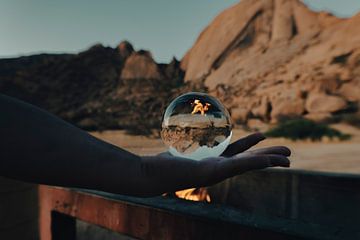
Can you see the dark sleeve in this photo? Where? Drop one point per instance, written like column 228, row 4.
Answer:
column 36, row 146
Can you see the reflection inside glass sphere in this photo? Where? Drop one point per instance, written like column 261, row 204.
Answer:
column 196, row 125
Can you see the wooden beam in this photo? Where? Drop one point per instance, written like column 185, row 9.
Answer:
column 138, row 221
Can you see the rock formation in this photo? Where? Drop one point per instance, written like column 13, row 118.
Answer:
column 100, row 88
column 140, row 65
column 125, row 49
column 265, row 59
column 271, row 58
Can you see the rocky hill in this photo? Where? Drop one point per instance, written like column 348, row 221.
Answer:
column 100, row 88
column 272, row 58
column 265, row 59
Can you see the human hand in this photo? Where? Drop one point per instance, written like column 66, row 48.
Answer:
column 167, row 173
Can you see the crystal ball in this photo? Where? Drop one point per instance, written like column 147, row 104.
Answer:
column 196, row 126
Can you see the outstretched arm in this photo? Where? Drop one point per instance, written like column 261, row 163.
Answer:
column 38, row 147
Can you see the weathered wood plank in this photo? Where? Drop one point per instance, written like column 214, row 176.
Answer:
column 140, row 221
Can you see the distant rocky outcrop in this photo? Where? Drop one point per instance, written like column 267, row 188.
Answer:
column 272, row 58
column 141, row 65
column 125, row 49
column 100, row 88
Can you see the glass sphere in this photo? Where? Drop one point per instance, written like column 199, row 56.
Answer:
column 196, row 126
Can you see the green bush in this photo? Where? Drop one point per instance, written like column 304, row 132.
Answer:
column 304, row 129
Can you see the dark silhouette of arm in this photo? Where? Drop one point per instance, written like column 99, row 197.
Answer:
column 36, row 146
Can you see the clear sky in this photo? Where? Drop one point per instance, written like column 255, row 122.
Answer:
column 165, row 27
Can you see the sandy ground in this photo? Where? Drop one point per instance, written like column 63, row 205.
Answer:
column 330, row 156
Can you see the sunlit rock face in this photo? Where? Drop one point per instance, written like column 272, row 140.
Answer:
column 196, row 126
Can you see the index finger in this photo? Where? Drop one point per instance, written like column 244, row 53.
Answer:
column 229, row 167
column 243, row 144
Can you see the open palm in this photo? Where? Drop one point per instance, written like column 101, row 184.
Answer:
column 166, row 173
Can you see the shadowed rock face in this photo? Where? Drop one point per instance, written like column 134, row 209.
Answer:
column 266, row 58
column 64, row 83
column 100, row 88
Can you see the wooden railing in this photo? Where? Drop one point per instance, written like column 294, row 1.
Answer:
column 271, row 204
column 61, row 208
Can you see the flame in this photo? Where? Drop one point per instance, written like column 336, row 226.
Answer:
column 199, row 107
column 194, row 194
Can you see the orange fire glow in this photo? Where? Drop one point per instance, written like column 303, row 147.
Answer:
column 194, row 194
column 199, row 107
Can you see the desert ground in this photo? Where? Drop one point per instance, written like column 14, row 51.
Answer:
column 326, row 155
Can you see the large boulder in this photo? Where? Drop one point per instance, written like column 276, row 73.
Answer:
column 350, row 91
column 322, row 103
column 294, row 108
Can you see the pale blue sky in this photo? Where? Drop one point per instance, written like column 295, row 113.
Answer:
column 166, row 27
